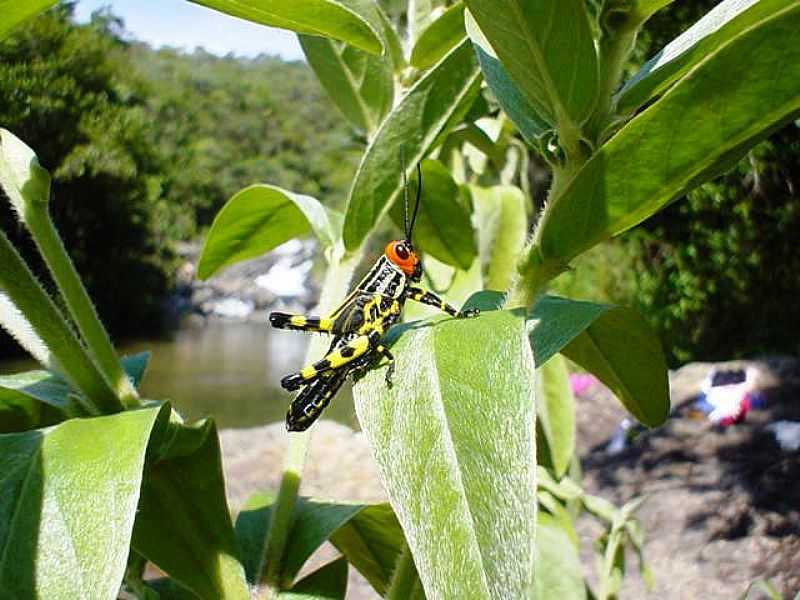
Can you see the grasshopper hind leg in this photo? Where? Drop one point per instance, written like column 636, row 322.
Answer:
column 312, row 400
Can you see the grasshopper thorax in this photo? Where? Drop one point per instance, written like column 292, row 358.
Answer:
column 402, row 254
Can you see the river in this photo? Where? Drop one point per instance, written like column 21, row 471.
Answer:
column 226, row 369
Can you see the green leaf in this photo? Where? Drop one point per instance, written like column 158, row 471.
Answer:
column 430, row 109
column 555, row 415
column 530, row 39
column 34, row 399
column 259, row 218
column 371, row 541
column 728, row 20
column 360, row 84
column 14, row 12
column 438, row 38
column 68, row 498
column 23, row 179
column 252, row 525
column 326, row 18
column 183, row 524
column 511, row 99
column 701, row 126
column 455, row 456
column 443, row 228
column 326, row 583
column 559, row 573
column 503, row 229
column 612, row 342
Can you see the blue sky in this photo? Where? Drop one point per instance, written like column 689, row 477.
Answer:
column 181, row 24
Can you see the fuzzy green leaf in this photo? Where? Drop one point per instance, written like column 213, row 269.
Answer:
column 430, row 109
column 438, row 38
column 503, row 228
column 725, row 22
column 456, row 456
column 339, row 20
column 699, row 128
column 548, row 49
column 183, row 523
column 259, row 218
column 326, row 583
column 360, row 84
column 443, row 228
column 510, row 98
column 559, row 573
column 68, row 499
column 555, row 416
column 14, row 12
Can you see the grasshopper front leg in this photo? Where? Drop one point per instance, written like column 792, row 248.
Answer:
column 425, row 297
column 281, row 320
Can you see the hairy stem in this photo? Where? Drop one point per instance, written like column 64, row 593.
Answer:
column 334, row 290
column 83, row 313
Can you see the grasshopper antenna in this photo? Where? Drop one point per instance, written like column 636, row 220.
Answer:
column 405, row 192
column 416, row 202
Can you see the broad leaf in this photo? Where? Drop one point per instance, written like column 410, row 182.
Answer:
column 443, row 228
column 252, row 526
column 34, row 399
column 612, row 342
column 433, row 106
column 548, row 49
column 68, row 497
column 503, row 228
column 14, row 12
column 259, row 218
column 439, row 37
column 559, row 573
column 327, row 583
column 622, row 351
column 372, row 541
column 456, row 456
column 23, row 179
column 555, row 416
column 700, row 127
column 183, row 523
column 339, row 20
column 135, row 366
column 510, row 98
column 360, row 84
column 725, row 22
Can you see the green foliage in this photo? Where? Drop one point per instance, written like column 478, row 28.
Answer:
column 435, row 441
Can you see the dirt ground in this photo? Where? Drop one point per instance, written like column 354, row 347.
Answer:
column 722, row 508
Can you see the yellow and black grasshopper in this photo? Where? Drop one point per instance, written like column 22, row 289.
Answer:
column 359, row 324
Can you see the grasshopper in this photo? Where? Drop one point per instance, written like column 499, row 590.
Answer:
column 358, row 325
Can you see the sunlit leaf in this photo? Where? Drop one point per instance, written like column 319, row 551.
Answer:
column 259, row 218
column 183, row 524
column 699, row 128
column 327, row 583
column 433, row 106
column 559, row 573
column 14, row 12
column 548, row 49
column 445, row 441
column 726, row 21
column 555, row 412
column 339, row 20
column 68, row 498
column 438, row 38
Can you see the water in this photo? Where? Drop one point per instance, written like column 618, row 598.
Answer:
column 228, row 370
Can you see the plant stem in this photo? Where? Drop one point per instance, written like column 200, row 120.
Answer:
column 37, row 219
column 34, row 309
column 334, row 290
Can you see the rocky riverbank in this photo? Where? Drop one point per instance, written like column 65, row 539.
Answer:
column 722, row 508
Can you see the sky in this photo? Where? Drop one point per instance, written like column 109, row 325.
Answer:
column 181, row 24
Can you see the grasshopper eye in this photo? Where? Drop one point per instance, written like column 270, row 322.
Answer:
column 400, row 254
column 401, row 251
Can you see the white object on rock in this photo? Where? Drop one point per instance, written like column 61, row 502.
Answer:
column 787, row 434
column 233, row 308
column 286, row 280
